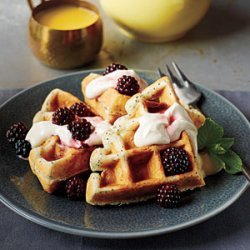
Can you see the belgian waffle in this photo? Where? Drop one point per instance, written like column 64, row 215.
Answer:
column 53, row 163
column 157, row 97
column 57, row 98
column 110, row 105
column 130, row 173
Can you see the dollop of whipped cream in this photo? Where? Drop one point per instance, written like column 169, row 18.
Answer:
column 96, row 87
column 41, row 131
column 101, row 127
column 164, row 128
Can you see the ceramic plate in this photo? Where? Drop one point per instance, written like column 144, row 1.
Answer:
column 21, row 191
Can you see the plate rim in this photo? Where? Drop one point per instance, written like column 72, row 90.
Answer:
column 55, row 225
column 38, row 219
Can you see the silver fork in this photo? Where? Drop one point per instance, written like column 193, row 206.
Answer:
column 189, row 94
column 183, row 87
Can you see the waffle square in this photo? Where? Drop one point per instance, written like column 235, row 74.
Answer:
column 53, row 163
column 110, row 105
column 134, row 175
column 156, row 98
column 57, row 98
column 124, row 173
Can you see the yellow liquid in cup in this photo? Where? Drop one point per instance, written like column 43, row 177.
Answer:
column 66, row 17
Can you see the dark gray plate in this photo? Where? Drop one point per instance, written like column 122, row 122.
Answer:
column 21, row 191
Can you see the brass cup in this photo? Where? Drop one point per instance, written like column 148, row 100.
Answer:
column 64, row 49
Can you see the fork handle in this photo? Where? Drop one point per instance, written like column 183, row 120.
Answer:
column 246, row 172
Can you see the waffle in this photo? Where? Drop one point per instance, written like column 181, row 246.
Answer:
column 195, row 114
column 57, row 98
column 53, row 163
column 156, row 98
column 110, row 105
column 132, row 174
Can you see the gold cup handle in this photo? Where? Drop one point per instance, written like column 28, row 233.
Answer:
column 31, row 4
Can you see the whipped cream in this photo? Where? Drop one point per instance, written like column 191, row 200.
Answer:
column 41, row 131
column 164, row 128
column 152, row 130
column 96, row 87
column 101, row 127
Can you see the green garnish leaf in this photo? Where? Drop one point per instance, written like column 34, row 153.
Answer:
column 233, row 162
column 209, row 133
column 210, row 139
column 226, row 143
column 217, row 149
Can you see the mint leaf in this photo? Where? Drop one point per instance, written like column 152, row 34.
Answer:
column 210, row 139
column 209, row 133
column 217, row 149
column 233, row 163
column 226, row 143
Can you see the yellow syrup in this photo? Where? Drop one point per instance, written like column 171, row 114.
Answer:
column 66, row 17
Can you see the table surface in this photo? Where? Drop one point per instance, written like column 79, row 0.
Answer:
column 216, row 53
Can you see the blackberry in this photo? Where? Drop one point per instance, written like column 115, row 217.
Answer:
column 17, row 131
column 169, row 196
column 22, row 148
column 113, row 67
column 175, row 161
column 81, row 110
column 81, row 129
column 62, row 116
column 127, row 85
column 75, row 188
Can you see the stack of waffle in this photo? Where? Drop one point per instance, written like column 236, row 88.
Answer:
column 121, row 171
column 124, row 173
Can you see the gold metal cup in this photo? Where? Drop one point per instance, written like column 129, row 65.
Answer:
column 64, row 49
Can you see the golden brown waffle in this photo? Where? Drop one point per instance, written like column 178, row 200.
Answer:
column 196, row 115
column 110, row 105
column 156, row 98
column 57, row 98
column 130, row 173
column 53, row 163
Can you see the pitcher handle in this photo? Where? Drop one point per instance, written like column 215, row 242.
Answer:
column 31, row 4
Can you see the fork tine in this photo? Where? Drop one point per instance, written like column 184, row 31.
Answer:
column 172, row 77
column 160, row 72
column 179, row 72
